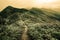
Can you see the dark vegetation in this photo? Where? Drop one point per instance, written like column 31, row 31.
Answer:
column 42, row 24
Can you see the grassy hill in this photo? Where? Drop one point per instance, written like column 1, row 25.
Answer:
column 42, row 24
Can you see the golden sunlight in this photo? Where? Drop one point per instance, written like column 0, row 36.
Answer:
column 30, row 3
column 43, row 1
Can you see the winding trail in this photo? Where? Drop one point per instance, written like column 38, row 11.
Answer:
column 24, row 35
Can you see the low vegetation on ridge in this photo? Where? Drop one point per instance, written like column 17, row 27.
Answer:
column 42, row 24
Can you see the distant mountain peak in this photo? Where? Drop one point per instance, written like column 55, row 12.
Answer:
column 36, row 11
column 10, row 10
column 13, row 8
column 9, row 7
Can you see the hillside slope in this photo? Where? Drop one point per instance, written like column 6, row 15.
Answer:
column 35, row 24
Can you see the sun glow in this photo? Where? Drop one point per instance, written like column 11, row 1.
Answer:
column 43, row 1
column 30, row 3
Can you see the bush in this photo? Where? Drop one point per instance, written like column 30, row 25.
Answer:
column 44, row 32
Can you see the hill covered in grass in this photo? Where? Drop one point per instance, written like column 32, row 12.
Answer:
column 41, row 24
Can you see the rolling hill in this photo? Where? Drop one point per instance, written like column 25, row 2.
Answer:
column 36, row 24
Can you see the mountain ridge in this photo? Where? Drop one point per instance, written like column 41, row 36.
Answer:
column 35, row 11
column 33, row 24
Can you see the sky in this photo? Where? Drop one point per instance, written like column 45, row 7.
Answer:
column 30, row 3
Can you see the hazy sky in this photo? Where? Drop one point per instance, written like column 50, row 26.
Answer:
column 30, row 3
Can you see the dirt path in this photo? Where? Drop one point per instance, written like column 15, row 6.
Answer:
column 24, row 35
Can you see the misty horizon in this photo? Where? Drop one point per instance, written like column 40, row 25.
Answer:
column 29, row 4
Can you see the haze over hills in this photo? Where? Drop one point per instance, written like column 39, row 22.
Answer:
column 30, row 3
column 33, row 24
